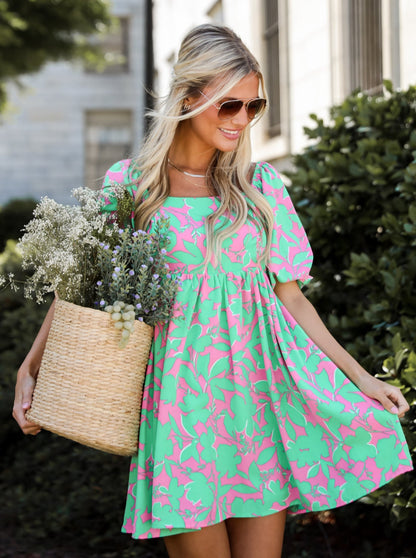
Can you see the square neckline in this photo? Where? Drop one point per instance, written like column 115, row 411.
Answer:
column 212, row 197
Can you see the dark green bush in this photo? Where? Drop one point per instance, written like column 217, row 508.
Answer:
column 14, row 215
column 355, row 189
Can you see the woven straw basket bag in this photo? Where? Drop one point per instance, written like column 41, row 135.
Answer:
column 88, row 388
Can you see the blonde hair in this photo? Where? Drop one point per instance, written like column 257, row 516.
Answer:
column 209, row 55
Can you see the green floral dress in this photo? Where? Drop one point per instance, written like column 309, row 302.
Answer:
column 243, row 415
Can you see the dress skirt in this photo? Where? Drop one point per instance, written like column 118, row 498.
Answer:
column 243, row 415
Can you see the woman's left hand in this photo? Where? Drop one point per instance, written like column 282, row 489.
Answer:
column 389, row 396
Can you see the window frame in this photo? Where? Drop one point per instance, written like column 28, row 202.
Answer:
column 116, row 121
column 365, row 45
column 271, row 38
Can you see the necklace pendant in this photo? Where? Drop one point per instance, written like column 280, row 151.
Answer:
column 191, row 174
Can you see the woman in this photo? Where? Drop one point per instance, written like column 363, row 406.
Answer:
column 246, row 412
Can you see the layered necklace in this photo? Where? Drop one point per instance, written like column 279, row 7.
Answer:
column 191, row 174
column 188, row 176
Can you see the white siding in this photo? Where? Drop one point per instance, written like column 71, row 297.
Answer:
column 42, row 135
column 407, row 37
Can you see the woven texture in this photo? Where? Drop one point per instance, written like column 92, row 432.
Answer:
column 89, row 389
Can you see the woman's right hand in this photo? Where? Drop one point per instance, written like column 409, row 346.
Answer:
column 25, row 385
column 27, row 374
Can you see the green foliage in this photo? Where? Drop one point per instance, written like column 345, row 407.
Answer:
column 13, row 217
column 355, row 189
column 136, row 272
column 38, row 31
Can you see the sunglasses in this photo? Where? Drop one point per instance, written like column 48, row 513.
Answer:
column 228, row 109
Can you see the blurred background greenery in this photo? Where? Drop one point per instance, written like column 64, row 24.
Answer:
column 355, row 190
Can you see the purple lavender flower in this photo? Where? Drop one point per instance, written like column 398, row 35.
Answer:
column 99, row 283
column 143, row 266
column 120, row 231
column 131, row 272
column 102, row 302
column 163, row 251
column 155, row 276
column 117, row 269
column 138, row 306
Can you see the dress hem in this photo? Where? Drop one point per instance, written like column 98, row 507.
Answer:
column 179, row 530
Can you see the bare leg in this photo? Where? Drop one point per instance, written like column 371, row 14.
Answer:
column 253, row 537
column 209, row 542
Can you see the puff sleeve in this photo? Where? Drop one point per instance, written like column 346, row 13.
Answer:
column 120, row 173
column 290, row 255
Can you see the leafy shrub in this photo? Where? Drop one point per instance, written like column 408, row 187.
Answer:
column 13, row 217
column 355, row 189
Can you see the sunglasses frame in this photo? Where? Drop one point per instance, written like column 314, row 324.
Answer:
column 244, row 104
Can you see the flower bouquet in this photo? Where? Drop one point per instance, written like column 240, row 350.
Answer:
column 112, row 285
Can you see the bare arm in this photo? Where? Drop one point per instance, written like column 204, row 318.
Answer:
column 27, row 374
column 307, row 317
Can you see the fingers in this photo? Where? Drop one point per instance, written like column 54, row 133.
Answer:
column 400, row 405
column 393, row 401
column 23, row 399
column 19, row 414
column 26, row 426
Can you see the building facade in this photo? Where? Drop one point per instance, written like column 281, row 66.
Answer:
column 312, row 52
column 69, row 123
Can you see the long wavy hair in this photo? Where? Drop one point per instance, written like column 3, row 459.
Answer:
column 209, row 55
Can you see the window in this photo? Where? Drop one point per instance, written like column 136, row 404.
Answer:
column 115, row 47
column 271, row 38
column 365, row 45
column 108, row 138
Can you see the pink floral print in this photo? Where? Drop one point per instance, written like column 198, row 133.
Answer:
column 242, row 414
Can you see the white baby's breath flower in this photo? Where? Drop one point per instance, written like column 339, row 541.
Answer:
column 59, row 244
column 93, row 258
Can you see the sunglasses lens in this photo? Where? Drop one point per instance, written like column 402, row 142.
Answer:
column 255, row 108
column 228, row 109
